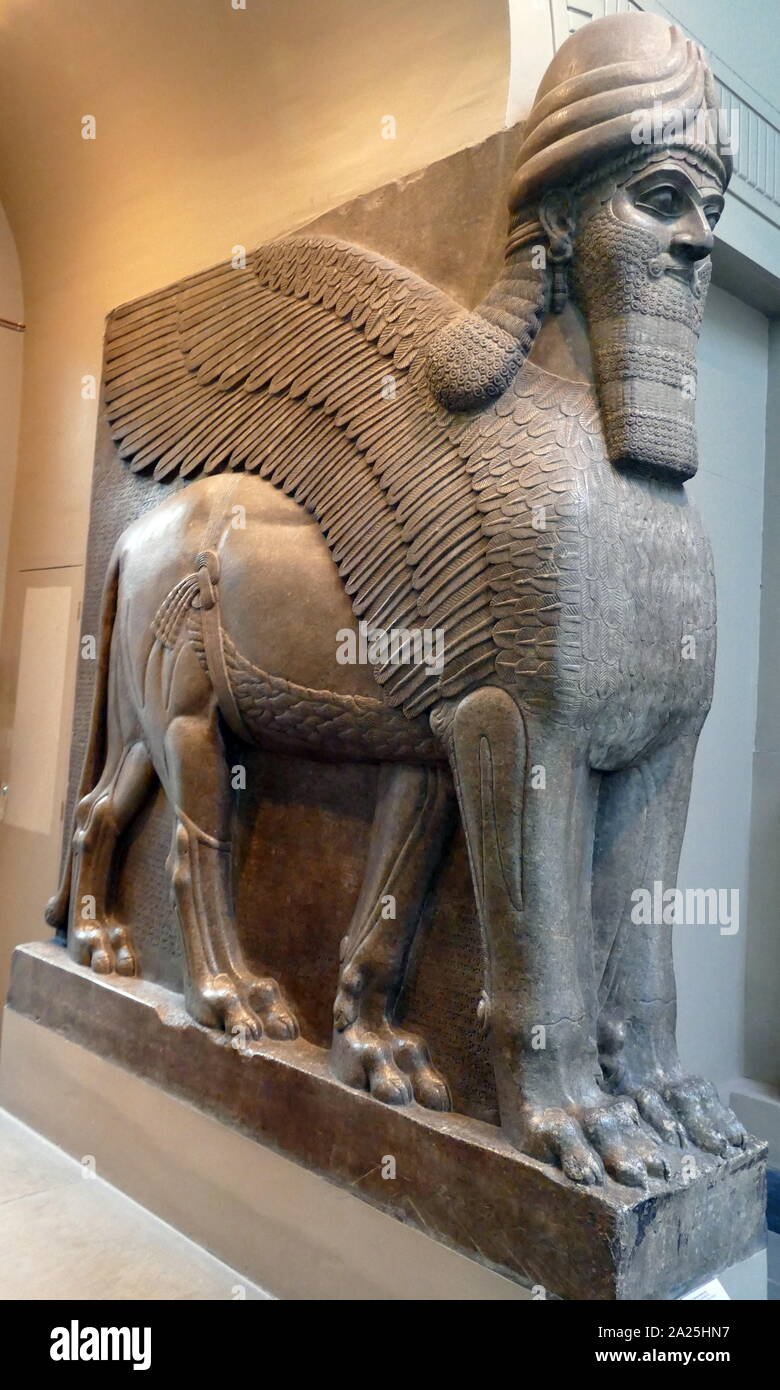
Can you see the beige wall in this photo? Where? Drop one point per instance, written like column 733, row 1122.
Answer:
column 215, row 126
column 11, row 351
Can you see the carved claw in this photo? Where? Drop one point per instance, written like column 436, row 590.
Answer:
column 554, row 1136
column 656, row 1113
column 708, row 1123
column 628, row 1154
column 605, row 1138
column 248, row 1008
column 240, row 1021
column 278, row 1020
column 412, row 1056
column 394, row 1066
column 106, row 949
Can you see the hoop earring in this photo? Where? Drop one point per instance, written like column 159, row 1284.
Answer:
column 560, row 253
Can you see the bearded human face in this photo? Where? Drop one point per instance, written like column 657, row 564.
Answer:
column 640, row 272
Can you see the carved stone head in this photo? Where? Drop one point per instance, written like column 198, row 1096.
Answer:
column 619, row 185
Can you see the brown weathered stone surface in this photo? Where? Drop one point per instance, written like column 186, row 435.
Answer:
column 448, row 225
column 457, row 1180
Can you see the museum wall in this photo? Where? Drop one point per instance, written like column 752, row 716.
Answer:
column 731, row 413
column 763, row 946
column 742, row 38
column 733, row 34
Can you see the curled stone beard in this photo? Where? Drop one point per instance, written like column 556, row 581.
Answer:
column 643, row 326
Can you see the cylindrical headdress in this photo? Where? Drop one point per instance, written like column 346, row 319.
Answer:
column 609, row 88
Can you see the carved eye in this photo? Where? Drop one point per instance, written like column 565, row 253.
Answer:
column 664, row 200
column 712, row 212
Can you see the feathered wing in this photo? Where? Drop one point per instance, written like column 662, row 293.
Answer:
column 307, row 367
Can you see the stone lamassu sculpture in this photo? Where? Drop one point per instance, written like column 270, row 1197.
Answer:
column 367, row 452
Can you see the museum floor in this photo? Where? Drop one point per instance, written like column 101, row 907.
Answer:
column 67, row 1236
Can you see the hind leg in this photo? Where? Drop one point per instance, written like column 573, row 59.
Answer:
column 221, row 991
column 414, row 813
column 101, row 818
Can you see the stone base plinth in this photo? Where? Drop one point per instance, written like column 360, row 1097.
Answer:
column 455, row 1179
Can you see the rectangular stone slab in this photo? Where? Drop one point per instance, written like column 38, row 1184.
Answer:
column 455, row 1178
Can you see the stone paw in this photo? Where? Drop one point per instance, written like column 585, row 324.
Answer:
column 658, row 1115
column 554, row 1136
column 707, row 1122
column 590, row 1142
column 247, row 1008
column 278, row 1020
column 105, row 947
column 394, row 1066
column 630, row 1155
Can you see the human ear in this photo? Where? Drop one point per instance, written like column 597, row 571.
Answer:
column 556, row 214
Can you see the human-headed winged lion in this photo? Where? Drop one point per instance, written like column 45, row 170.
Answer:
column 512, row 478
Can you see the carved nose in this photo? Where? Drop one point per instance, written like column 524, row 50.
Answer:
column 694, row 240
column 693, row 249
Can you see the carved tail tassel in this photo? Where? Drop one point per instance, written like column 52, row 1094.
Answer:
column 168, row 619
